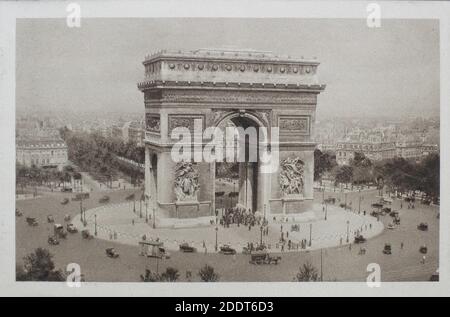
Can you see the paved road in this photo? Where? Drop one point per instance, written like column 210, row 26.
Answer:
column 339, row 264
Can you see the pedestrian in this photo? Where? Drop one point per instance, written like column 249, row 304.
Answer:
column 340, row 241
column 423, row 259
column 401, row 245
column 132, row 222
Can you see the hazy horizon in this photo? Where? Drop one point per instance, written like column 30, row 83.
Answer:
column 389, row 71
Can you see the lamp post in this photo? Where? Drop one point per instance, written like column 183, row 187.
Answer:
column 310, row 234
column 359, row 204
column 326, row 211
column 348, row 223
column 95, row 224
column 154, row 210
column 140, row 207
column 146, row 210
column 217, row 229
column 261, row 228
column 134, row 205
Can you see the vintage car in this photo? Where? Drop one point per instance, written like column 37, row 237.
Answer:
column 86, row 234
column 70, row 227
column 66, row 190
column 185, row 247
column 104, row 200
column 226, row 249
column 423, row 226
column 387, row 249
column 330, row 200
column 65, row 201
column 53, row 240
column 423, row 249
column 396, row 221
column 386, row 210
column 112, row 253
column 435, row 276
column 50, row 219
column 262, row 257
column 58, row 230
column 391, row 226
column 32, row 221
column 377, row 205
column 360, row 239
column 18, row 213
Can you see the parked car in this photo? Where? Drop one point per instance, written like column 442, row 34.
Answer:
column 262, row 257
column 65, row 201
column 185, row 247
column 86, row 234
column 50, row 219
column 391, row 226
column 53, row 240
column 226, row 249
column 435, row 276
column 32, row 221
column 104, row 200
column 66, row 190
column 423, row 226
column 423, row 249
column 70, row 227
column 360, row 239
column 18, row 213
column 58, row 230
column 112, row 253
column 387, row 249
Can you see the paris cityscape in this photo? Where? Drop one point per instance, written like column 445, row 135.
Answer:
column 96, row 186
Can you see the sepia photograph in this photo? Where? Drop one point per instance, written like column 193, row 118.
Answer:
column 227, row 149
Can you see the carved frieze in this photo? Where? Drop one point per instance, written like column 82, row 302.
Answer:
column 291, row 176
column 185, row 121
column 153, row 122
column 237, row 97
column 294, row 124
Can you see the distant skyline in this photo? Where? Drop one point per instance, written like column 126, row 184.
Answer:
column 387, row 71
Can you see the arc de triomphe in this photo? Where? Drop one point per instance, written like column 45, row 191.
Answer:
column 248, row 88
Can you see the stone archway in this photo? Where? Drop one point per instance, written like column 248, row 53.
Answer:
column 182, row 89
column 252, row 183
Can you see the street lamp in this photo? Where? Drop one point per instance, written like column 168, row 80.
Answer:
column 154, row 210
column 348, row 223
column 217, row 229
column 326, row 211
column 146, row 210
column 95, row 224
column 261, row 242
column 310, row 234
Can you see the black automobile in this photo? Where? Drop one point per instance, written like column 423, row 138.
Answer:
column 423, row 226
column 226, row 249
column 360, row 239
column 185, row 247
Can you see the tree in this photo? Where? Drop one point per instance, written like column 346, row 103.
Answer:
column 307, row 273
column 207, row 274
column 343, row 174
column 323, row 162
column 170, row 275
column 39, row 266
column 149, row 276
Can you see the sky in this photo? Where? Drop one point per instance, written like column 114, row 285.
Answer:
column 392, row 70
